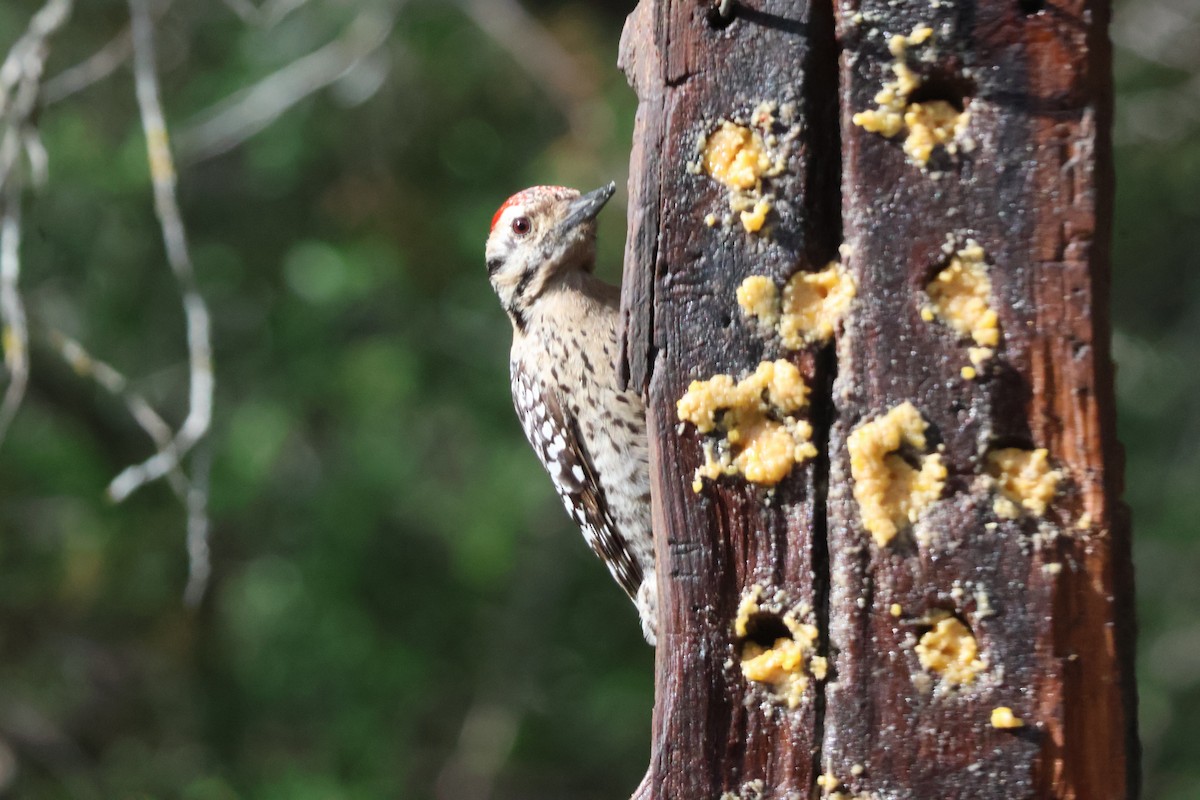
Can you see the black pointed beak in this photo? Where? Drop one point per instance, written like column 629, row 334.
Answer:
column 588, row 205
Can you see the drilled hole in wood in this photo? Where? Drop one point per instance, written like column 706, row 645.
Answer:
column 960, row 299
column 1025, row 479
column 947, row 648
column 1016, row 441
column 1031, row 7
column 764, row 629
column 891, row 493
column 909, row 455
column 722, row 13
column 949, row 88
column 937, row 614
column 777, row 652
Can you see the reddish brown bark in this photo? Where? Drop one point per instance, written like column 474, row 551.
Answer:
column 1036, row 193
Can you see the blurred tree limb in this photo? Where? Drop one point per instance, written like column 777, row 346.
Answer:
column 20, row 81
column 235, row 119
column 536, row 50
column 95, row 68
column 21, row 95
column 166, row 206
column 221, row 128
column 1161, row 33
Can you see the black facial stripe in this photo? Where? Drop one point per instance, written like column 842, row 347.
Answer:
column 523, row 284
column 494, row 264
column 517, row 315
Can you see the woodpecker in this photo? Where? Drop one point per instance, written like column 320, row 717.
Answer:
column 588, row 432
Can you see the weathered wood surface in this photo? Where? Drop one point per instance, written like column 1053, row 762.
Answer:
column 680, row 283
column 1036, row 194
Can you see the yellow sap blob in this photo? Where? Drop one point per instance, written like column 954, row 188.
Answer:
column 960, row 296
column 736, row 156
column 812, row 304
column 762, row 439
column 890, row 492
column 1025, row 480
column 1004, row 718
column 949, row 650
column 785, row 667
column 928, row 124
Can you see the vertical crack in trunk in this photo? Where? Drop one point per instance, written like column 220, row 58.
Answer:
column 823, row 413
column 824, row 178
column 710, row 738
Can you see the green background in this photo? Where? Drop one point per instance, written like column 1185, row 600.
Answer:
column 400, row 608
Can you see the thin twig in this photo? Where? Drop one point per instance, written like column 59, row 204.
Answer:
column 21, row 72
column 21, row 90
column 16, row 331
column 235, row 119
column 92, row 70
column 485, row 741
column 22, row 69
column 245, row 10
column 36, row 157
column 266, row 15
column 166, row 206
column 1159, row 31
column 273, row 11
column 1159, row 115
column 99, row 65
column 535, row 49
column 20, row 85
column 112, row 381
column 199, row 566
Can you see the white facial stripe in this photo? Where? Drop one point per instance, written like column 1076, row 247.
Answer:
column 501, row 242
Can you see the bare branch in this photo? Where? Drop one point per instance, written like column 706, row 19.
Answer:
column 22, row 69
column 485, row 740
column 20, row 90
column 245, row 10
column 199, row 566
column 1160, row 31
column 1159, row 115
column 16, row 332
column 537, row 51
column 99, row 65
column 273, row 11
column 266, row 15
column 20, row 84
column 95, row 68
column 112, row 381
column 166, row 206
column 36, row 156
column 247, row 112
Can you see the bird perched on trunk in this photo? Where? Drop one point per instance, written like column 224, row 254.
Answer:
column 588, row 432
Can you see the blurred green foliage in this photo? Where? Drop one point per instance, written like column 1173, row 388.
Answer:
column 1156, row 344
column 399, row 606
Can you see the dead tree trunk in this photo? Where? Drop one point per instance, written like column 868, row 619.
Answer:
column 950, row 541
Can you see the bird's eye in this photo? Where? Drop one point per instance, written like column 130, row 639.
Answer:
column 521, row 226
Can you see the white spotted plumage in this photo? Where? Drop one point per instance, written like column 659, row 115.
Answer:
column 588, row 432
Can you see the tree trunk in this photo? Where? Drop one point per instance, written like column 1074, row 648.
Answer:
column 1025, row 585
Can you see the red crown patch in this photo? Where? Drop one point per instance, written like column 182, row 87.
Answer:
column 532, row 193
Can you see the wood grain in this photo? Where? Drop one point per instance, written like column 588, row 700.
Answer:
column 1049, row 600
